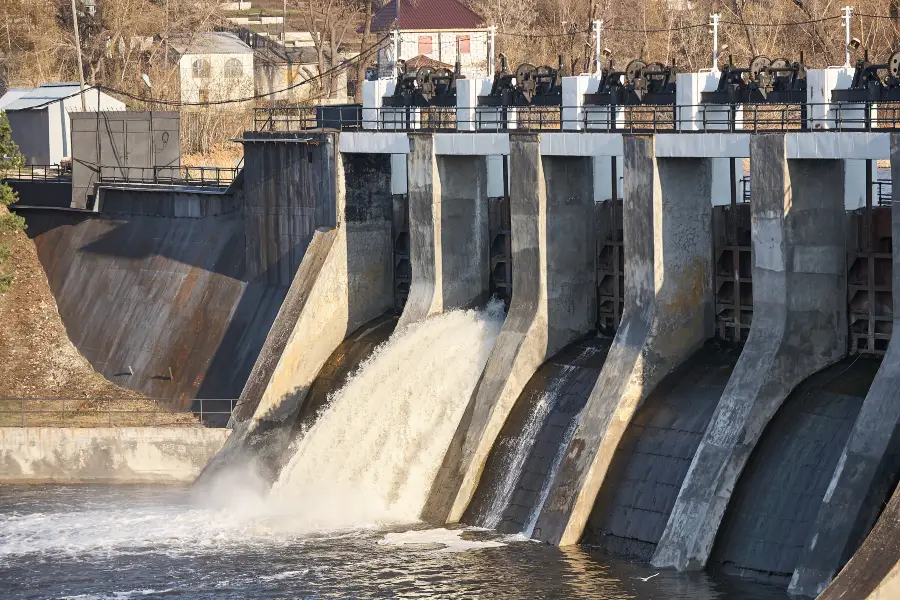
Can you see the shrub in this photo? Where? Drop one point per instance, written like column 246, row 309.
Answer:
column 6, row 280
column 11, row 222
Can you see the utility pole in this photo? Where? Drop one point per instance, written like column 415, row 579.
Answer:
column 283, row 24
column 715, row 25
column 492, row 40
column 598, row 37
column 848, row 11
column 78, row 50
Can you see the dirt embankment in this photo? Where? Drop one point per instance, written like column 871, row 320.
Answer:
column 37, row 360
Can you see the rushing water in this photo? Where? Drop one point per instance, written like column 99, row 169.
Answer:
column 341, row 522
column 99, row 542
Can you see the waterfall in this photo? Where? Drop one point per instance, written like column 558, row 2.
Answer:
column 372, row 455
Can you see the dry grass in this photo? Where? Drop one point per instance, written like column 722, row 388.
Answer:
column 220, row 155
column 37, row 359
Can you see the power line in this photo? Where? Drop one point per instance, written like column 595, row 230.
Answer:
column 177, row 103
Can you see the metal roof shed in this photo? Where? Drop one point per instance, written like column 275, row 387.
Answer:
column 39, row 118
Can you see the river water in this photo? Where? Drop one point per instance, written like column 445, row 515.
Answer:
column 99, row 542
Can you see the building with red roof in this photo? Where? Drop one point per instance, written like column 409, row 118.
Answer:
column 438, row 30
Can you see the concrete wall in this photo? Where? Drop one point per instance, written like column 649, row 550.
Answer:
column 653, row 458
column 344, row 281
column 668, row 315
column 448, row 231
column 799, row 327
column 156, row 293
column 288, row 193
column 174, row 202
column 553, row 303
column 868, row 463
column 106, row 455
column 874, row 571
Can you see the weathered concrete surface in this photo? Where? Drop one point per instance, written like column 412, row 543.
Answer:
column 516, row 474
column 343, row 282
column 553, row 303
column 799, row 327
column 289, row 191
column 173, row 202
column 106, row 454
column 668, row 315
column 448, row 230
column 874, row 571
column 652, row 459
column 146, row 294
column 774, row 504
column 868, row 465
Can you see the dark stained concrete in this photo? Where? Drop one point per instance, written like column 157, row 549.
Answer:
column 654, row 455
column 778, row 496
column 516, row 472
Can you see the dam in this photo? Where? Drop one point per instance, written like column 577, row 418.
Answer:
column 592, row 339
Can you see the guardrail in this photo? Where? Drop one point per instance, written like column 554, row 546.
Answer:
column 115, row 174
column 41, row 173
column 696, row 118
column 884, row 192
column 190, row 176
column 113, row 412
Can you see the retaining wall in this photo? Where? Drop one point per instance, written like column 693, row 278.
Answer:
column 106, row 455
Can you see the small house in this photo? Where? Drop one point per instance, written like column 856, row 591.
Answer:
column 39, row 118
column 214, row 66
column 435, row 30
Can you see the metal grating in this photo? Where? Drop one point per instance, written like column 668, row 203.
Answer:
column 610, row 265
column 402, row 266
column 869, row 277
column 734, row 265
column 499, row 226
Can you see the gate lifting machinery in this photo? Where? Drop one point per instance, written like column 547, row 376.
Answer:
column 639, row 84
column 528, row 86
column 873, row 82
column 766, row 81
column 424, row 87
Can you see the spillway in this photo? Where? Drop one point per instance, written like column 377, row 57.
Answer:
column 653, row 458
column 372, row 454
column 778, row 496
column 531, row 442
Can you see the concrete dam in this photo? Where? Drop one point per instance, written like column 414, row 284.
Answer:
column 605, row 345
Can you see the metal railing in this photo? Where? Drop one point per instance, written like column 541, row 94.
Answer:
column 182, row 176
column 113, row 412
column 40, row 173
column 884, row 190
column 696, row 118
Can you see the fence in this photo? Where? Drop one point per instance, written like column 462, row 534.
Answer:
column 696, row 118
column 114, row 174
column 112, row 412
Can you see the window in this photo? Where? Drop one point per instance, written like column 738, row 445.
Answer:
column 234, row 68
column 424, row 44
column 462, row 41
column 200, row 68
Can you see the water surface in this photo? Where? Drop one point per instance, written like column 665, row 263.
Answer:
column 99, row 542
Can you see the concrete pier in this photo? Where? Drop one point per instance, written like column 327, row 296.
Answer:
column 448, row 230
column 553, row 303
column 799, row 327
column 869, row 463
column 343, row 281
column 668, row 315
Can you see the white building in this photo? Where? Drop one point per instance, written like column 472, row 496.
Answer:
column 39, row 118
column 214, row 66
column 435, row 30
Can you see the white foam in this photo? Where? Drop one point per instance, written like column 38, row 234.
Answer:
column 372, row 456
column 450, row 540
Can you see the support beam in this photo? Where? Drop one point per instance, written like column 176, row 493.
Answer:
column 869, row 458
column 448, row 229
column 553, row 303
column 799, row 327
column 668, row 315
